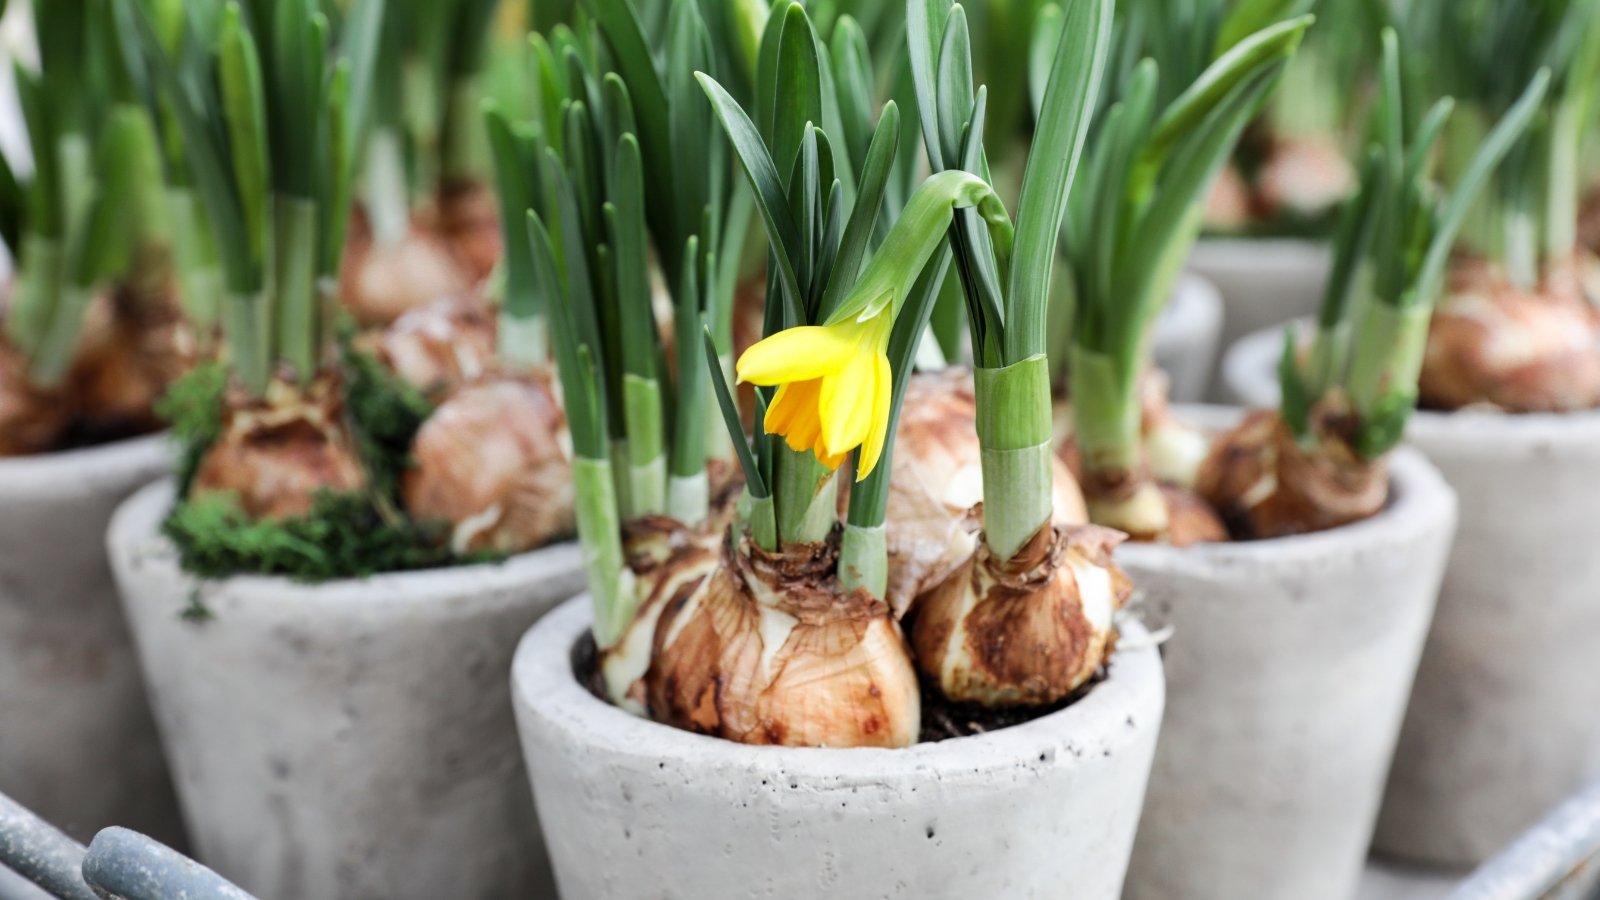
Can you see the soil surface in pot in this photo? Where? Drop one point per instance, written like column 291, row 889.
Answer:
column 941, row 718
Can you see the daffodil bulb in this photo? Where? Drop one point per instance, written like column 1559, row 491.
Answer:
column 1304, row 177
column 380, row 281
column 669, row 562
column 1229, row 204
column 1589, row 220
column 490, row 461
column 438, row 347
column 1173, row 447
column 276, row 452
column 1491, row 344
column 469, row 219
column 938, row 483
column 134, row 344
column 1027, row 631
column 1267, row 485
column 32, row 419
column 771, row 651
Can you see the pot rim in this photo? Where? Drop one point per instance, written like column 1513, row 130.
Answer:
column 1277, row 254
column 35, row 473
column 544, row 685
column 1470, row 432
column 1419, row 498
column 134, row 539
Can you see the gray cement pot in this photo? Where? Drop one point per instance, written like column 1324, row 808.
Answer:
column 351, row 739
column 1264, row 282
column 1187, row 337
column 77, row 743
column 1042, row 810
column 1505, row 720
column 1288, row 672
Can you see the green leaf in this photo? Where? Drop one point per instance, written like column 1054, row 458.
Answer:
column 864, row 215
column 754, row 479
column 1062, row 129
column 239, row 70
column 798, row 88
column 771, row 199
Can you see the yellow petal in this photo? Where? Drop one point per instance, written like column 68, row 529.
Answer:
column 882, row 396
column 793, row 414
column 846, row 403
column 797, row 354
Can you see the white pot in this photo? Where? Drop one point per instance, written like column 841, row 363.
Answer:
column 77, row 743
column 1041, row 810
column 1188, row 336
column 352, row 739
column 1264, row 282
column 1288, row 671
column 1505, row 720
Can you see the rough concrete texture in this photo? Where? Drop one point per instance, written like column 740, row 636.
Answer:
column 77, row 742
column 1187, row 337
column 1505, row 719
column 1043, row 810
column 1288, row 672
column 349, row 740
column 1264, row 282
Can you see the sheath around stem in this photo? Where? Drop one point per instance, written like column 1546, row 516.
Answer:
column 599, row 534
column 1015, row 430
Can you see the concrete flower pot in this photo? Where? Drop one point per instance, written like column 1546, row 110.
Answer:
column 1263, row 281
column 648, row 811
column 77, row 742
column 1288, row 672
column 1505, row 720
column 351, row 739
column 1188, row 336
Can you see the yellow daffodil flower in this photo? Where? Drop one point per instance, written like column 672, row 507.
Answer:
column 834, row 387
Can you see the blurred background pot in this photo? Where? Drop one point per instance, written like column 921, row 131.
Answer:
column 352, row 739
column 646, row 810
column 1263, row 282
column 77, row 743
column 1505, row 719
column 1288, row 671
column 1188, row 337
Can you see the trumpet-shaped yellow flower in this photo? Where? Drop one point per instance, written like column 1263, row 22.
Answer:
column 834, row 387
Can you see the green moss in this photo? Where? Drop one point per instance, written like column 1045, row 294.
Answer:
column 343, row 537
column 192, row 406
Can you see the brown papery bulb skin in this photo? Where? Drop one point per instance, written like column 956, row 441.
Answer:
column 669, row 562
column 469, row 219
column 1589, row 220
column 937, row 485
column 1304, row 177
column 380, row 282
column 32, row 420
column 489, row 462
column 771, row 651
column 1027, row 631
column 1228, row 204
column 278, row 451
column 440, row 347
column 135, row 343
column 1493, row 345
column 1266, row 485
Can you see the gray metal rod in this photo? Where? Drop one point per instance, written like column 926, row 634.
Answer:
column 128, row 865
column 40, row 852
column 1544, row 857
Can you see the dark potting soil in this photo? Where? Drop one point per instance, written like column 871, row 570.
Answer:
column 941, row 718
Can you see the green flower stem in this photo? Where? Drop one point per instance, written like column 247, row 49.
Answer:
column 1390, row 343
column 1015, row 430
column 41, row 274
column 600, row 537
column 465, row 143
column 294, row 254
column 385, row 196
column 524, row 341
column 806, row 497
column 247, row 327
column 864, row 559
column 194, row 256
column 52, row 358
column 1106, row 415
column 689, row 497
column 647, row 459
column 1566, row 179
